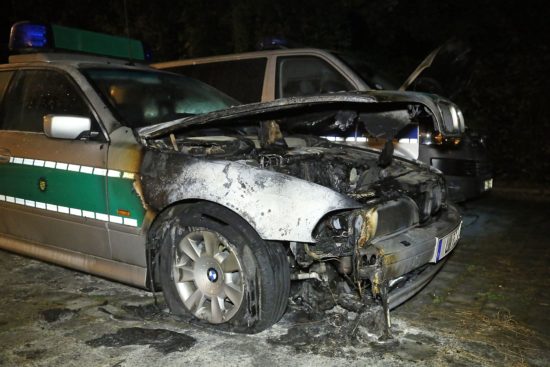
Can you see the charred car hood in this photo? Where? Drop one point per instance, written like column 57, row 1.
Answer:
column 297, row 185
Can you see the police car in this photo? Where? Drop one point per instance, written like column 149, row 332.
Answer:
column 281, row 71
column 159, row 181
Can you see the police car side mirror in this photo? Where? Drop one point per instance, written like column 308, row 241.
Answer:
column 67, row 127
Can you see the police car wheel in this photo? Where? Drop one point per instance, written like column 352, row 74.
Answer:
column 217, row 269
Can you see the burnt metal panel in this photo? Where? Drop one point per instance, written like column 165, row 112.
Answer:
column 277, row 206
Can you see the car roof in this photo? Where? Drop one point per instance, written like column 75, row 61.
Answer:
column 69, row 59
column 243, row 55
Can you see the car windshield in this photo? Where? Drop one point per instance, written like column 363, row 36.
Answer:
column 374, row 79
column 146, row 97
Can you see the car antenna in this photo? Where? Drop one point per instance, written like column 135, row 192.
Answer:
column 127, row 31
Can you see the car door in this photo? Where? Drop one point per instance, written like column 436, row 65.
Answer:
column 52, row 191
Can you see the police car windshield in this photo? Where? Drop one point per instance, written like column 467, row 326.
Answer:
column 146, row 97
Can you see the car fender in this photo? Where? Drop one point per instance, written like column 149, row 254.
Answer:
column 279, row 207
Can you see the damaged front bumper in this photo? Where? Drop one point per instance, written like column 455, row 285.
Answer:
column 399, row 265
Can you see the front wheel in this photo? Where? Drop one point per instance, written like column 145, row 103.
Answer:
column 216, row 268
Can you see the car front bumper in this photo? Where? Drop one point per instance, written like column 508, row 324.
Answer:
column 403, row 263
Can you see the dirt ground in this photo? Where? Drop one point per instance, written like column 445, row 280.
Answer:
column 489, row 306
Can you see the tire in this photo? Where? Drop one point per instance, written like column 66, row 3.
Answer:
column 215, row 267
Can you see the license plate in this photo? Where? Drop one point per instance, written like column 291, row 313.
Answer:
column 445, row 244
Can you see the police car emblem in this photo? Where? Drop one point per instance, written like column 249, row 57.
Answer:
column 42, row 184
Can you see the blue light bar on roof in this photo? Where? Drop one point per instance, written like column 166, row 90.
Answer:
column 28, row 37
column 272, row 43
column 25, row 35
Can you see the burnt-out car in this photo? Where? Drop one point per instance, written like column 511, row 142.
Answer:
column 159, row 181
column 374, row 222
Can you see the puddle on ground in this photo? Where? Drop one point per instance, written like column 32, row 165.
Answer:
column 58, row 314
column 164, row 341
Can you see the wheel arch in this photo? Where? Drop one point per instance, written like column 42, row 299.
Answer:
column 156, row 233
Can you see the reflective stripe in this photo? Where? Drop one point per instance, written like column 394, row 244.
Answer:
column 63, row 209
column 86, row 169
column 113, row 173
column 76, row 212
column 115, row 219
column 71, row 211
column 408, row 141
column 100, row 172
column 130, row 222
column 103, row 217
column 73, row 168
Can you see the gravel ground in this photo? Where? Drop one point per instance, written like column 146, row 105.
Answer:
column 488, row 306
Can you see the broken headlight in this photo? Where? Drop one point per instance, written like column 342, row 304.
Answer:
column 359, row 227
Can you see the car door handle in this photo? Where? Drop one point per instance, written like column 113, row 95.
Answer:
column 4, row 155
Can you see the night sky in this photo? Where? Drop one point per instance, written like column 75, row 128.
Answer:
column 504, row 94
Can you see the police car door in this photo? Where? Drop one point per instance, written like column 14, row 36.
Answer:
column 52, row 190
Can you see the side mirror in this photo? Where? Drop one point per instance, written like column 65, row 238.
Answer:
column 67, row 126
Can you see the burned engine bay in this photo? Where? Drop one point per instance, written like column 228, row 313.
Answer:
column 365, row 175
column 377, row 238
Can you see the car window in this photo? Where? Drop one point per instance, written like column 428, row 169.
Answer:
column 5, row 77
column 146, row 97
column 36, row 93
column 372, row 77
column 305, row 76
column 241, row 79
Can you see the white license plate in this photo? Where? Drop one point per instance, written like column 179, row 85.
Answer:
column 445, row 244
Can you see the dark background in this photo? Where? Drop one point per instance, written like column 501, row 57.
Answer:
column 506, row 97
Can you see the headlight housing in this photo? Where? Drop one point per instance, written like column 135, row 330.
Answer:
column 453, row 118
column 452, row 124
